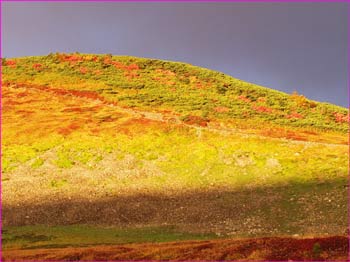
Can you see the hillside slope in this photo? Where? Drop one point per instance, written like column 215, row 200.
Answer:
column 182, row 89
column 132, row 143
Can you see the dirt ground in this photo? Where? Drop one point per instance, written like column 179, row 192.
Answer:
column 235, row 213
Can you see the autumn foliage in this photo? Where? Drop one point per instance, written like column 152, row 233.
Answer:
column 11, row 63
column 244, row 99
column 294, row 115
column 262, row 109
column 37, row 66
column 221, row 109
column 340, row 118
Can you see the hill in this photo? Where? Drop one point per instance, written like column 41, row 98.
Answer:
column 183, row 89
column 133, row 143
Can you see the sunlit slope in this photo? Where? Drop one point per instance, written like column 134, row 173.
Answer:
column 197, row 95
column 95, row 139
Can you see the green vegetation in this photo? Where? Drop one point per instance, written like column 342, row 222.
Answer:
column 316, row 250
column 182, row 88
column 185, row 160
column 39, row 236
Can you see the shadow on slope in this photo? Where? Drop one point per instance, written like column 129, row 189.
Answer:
column 317, row 208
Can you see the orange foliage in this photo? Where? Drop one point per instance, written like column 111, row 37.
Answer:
column 221, row 109
column 118, row 65
column 294, row 115
column 340, row 118
column 302, row 101
column 132, row 67
column 37, row 66
column 83, row 70
column 69, row 129
column 72, row 59
column 107, row 60
column 165, row 72
column 295, row 136
column 262, row 109
column 11, row 63
column 244, row 99
column 23, row 94
column 196, row 120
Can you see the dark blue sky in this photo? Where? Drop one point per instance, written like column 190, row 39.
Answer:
column 285, row 46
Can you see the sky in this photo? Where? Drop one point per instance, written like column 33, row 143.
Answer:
column 285, row 46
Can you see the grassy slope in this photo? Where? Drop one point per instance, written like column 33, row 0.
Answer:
column 178, row 87
column 83, row 145
column 40, row 236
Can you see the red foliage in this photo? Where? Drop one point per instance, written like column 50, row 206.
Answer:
column 294, row 115
column 244, row 99
column 221, row 109
column 118, row 65
column 199, row 85
column 83, row 70
column 340, row 118
column 295, row 136
column 132, row 67
column 72, row 59
column 262, row 109
column 129, row 68
column 23, row 94
column 130, row 75
column 11, row 63
column 37, row 66
column 196, row 120
column 334, row 248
